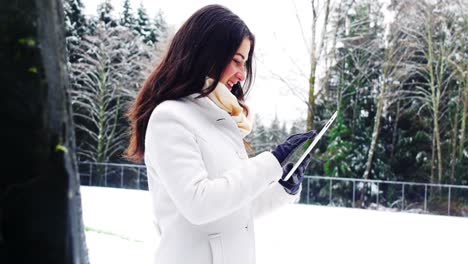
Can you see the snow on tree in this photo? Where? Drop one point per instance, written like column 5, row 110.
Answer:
column 394, row 68
column 127, row 19
column 159, row 28
column 431, row 32
column 75, row 21
column 297, row 126
column 259, row 138
column 337, row 157
column 112, row 64
column 274, row 133
column 75, row 24
column 143, row 25
column 104, row 11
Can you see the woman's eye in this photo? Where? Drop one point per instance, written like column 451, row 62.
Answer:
column 239, row 63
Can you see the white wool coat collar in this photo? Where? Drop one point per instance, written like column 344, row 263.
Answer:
column 215, row 114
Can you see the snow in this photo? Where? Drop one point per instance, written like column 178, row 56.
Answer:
column 421, row 156
column 364, row 113
column 119, row 230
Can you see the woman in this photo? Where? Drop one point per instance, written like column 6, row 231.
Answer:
column 188, row 124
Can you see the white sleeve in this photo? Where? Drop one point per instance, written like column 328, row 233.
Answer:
column 173, row 152
column 273, row 198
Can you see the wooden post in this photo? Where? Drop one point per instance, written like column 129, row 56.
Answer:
column 40, row 203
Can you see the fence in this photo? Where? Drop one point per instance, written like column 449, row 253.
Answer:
column 115, row 175
column 414, row 197
column 443, row 199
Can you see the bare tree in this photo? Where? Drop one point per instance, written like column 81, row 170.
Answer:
column 336, row 21
column 319, row 32
column 456, row 29
column 397, row 51
column 429, row 33
column 359, row 57
column 316, row 51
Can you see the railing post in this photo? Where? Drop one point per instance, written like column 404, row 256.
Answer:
column 378, row 194
column 403, row 197
column 354, row 193
column 121, row 176
column 138, row 179
column 105, row 175
column 90, row 174
column 308, row 190
column 330, row 193
column 449, row 196
column 425, row 197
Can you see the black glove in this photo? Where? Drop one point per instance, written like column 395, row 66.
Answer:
column 284, row 150
column 293, row 184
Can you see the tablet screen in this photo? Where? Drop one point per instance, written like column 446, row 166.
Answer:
column 303, row 153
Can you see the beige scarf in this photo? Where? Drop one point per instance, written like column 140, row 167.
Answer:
column 225, row 100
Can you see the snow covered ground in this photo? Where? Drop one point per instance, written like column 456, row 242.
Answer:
column 119, row 230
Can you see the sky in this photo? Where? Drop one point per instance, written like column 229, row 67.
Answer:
column 119, row 232
column 280, row 47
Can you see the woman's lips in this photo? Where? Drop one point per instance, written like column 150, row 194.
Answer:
column 230, row 84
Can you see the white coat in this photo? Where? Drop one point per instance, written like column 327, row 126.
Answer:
column 205, row 190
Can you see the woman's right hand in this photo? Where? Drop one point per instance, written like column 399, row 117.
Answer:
column 284, row 150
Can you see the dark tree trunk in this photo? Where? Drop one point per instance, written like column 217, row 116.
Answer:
column 40, row 203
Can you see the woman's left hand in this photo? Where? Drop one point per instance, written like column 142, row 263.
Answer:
column 293, row 184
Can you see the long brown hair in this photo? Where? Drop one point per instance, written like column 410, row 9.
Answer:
column 203, row 46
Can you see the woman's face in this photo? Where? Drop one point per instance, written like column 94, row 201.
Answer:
column 235, row 70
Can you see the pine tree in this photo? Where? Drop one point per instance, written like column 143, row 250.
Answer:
column 283, row 131
column 104, row 11
column 74, row 17
column 359, row 79
column 127, row 19
column 112, row 64
column 75, row 25
column 274, row 132
column 337, row 157
column 143, row 25
column 159, row 28
column 258, row 139
column 298, row 126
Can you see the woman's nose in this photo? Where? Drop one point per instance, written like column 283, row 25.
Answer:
column 240, row 75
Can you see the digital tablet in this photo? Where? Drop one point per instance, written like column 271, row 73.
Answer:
column 311, row 146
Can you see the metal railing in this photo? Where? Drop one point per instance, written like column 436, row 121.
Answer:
column 117, row 175
column 442, row 199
